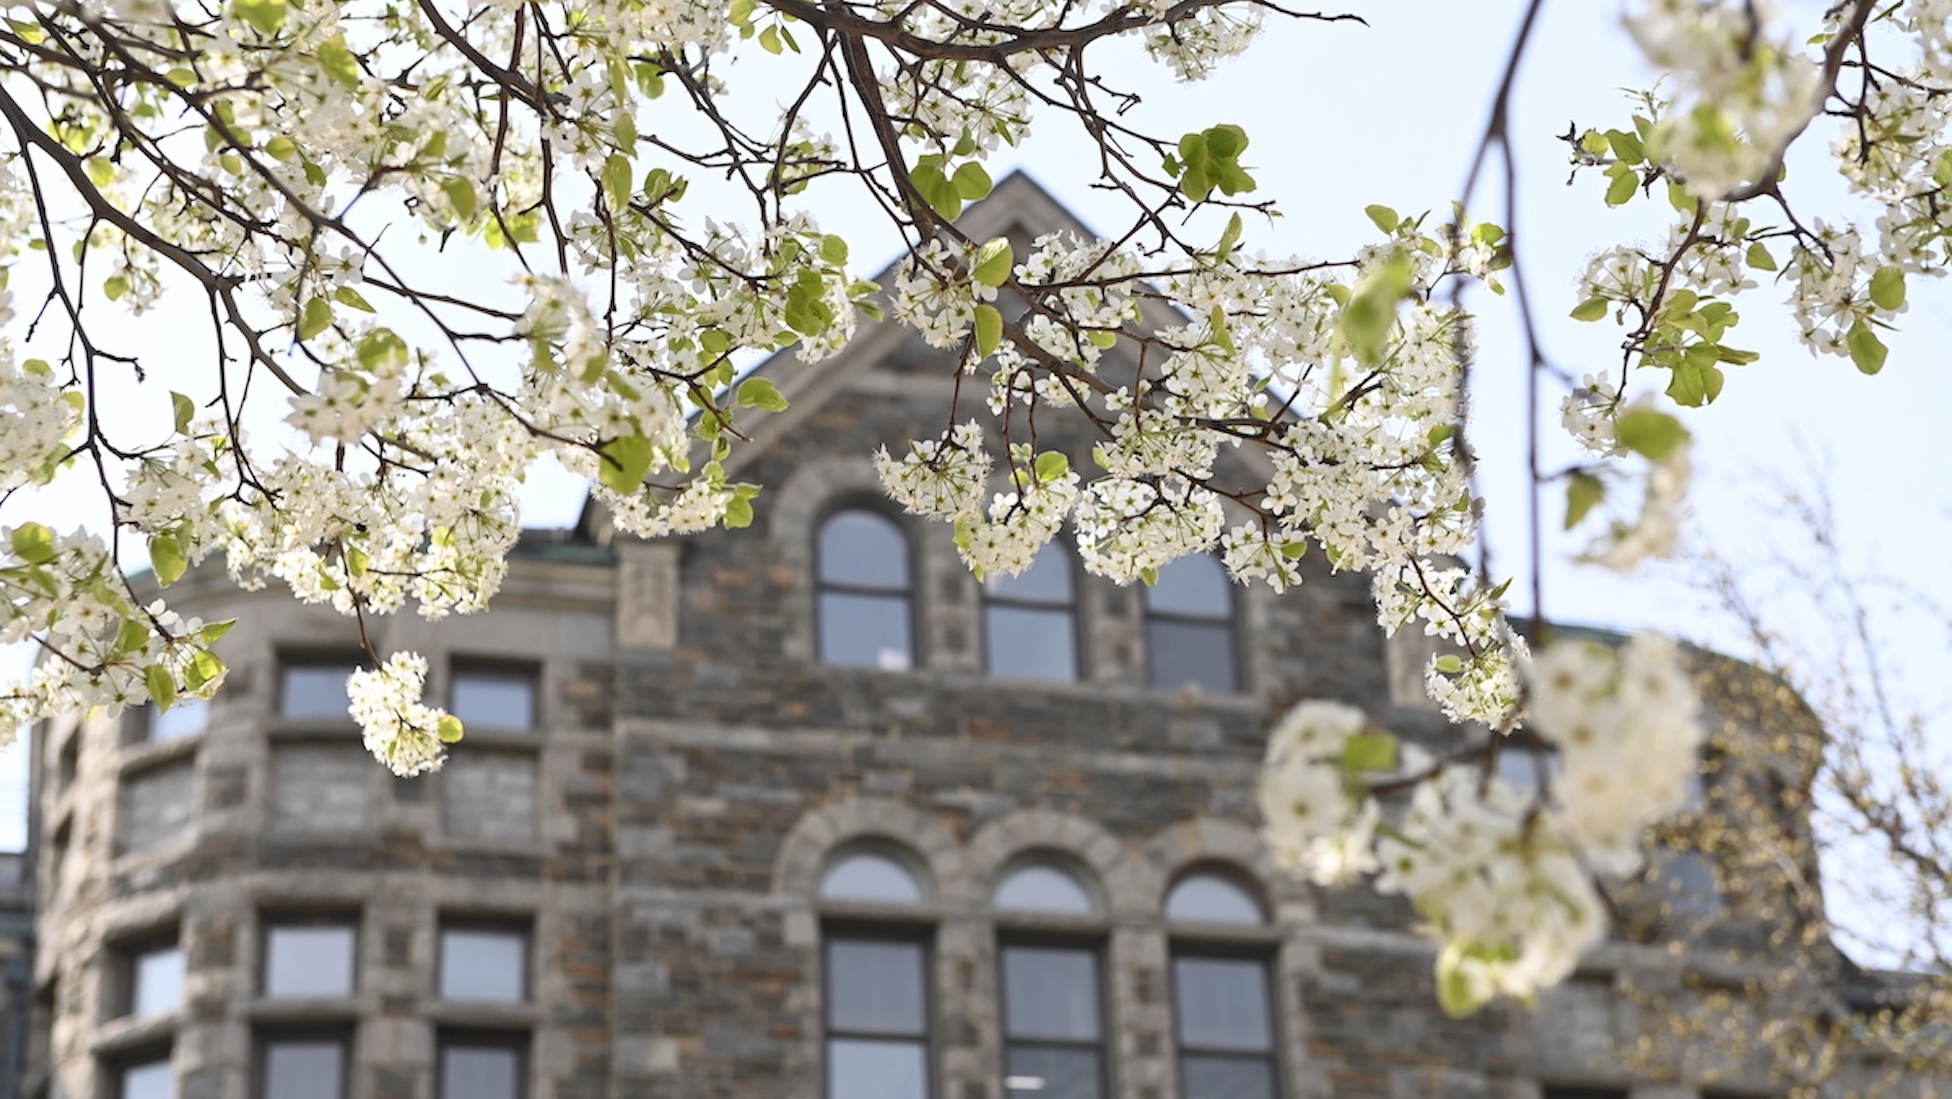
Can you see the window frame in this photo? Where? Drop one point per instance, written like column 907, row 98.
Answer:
column 1070, row 608
column 1098, row 946
column 271, row 923
column 513, row 1040
column 907, row 593
column 1228, row 621
column 460, row 666
column 126, row 956
column 123, row 1062
column 523, row 929
column 1263, row 955
column 287, row 660
column 341, row 1035
column 918, row 934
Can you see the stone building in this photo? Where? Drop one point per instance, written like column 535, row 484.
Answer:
column 800, row 810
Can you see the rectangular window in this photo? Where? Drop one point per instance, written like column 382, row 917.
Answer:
column 152, row 973
column 186, row 718
column 315, row 689
column 484, row 964
column 490, row 697
column 1053, row 1024
column 303, row 1066
column 308, row 959
column 1552, row 1092
column 483, row 1066
column 1225, row 1028
column 147, row 1078
column 877, row 1018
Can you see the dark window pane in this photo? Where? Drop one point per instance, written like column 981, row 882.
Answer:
column 154, row 1080
column 1212, row 899
column 1191, row 652
column 186, row 718
column 860, row 1069
column 1050, row 992
column 1195, row 585
column 1043, row 889
column 1047, row 580
column 870, row 877
column 1221, row 1003
column 1227, row 1077
column 308, row 961
column 480, row 1072
column 865, row 549
column 864, row 631
column 875, row 987
column 157, row 980
column 494, row 700
column 484, row 965
column 304, row 1069
column 1030, row 643
column 316, row 690
column 1033, row 1072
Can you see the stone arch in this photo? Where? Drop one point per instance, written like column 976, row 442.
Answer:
column 1205, row 842
column 803, row 855
column 1124, row 881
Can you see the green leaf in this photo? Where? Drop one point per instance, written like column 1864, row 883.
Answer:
column 214, row 632
column 1942, row 169
column 1232, row 237
column 833, row 249
column 625, row 462
column 738, row 513
column 1866, row 350
column 338, row 61
column 265, row 15
column 204, row 668
column 183, row 410
column 972, row 182
column 166, row 557
column 449, row 729
column 132, row 636
column 1888, row 288
column 1052, row 465
column 1385, row 218
column 1626, row 146
column 989, row 330
column 761, row 393
column 115, row 286
column 1591, row 309
column 460, row 194
column 741, row 12
column 315, row 318
column 1369, row 752
column 993, row 262
column 1759, row 258
column 101, row 170
column 1225, row 142
column 1697, row 380
column 381, row 350
column 1219, row 330
column 1653, row 435
column 1624, row 183
column 1449, row 665
column 769, row 40
column 162, row 687
column 616, row 182
column 1583, row 492
column 1364, row 324
column 347, row 296
column 33, row 543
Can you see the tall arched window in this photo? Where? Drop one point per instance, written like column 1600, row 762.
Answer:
column 1053, row 1018
column 1189, row 626
column 1222, row 1004
column 865, row 615
column 877, row 986
column 1030, row 621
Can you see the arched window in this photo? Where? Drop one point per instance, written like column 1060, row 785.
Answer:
column 861, row 563
column 877, row 987
column 1211, row 898
column 1222, row 1002
column 1043, row 887
column 1189, row 626
column 1030, row 621
column 1053, row 1018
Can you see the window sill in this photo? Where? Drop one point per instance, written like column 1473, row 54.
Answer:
column 134, row 1031
column 144, row 754
column 483, row 1014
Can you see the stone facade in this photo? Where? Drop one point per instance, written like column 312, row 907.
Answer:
column 659, row 837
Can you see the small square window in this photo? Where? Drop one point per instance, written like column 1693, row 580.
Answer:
column 316, row 689
column 308, row 959
column 487, row 697
column 149, row 1078
column 303, row 1066
column 186, row 718
column 483, row 1066
column 154, row 975
column 484, row 964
